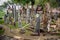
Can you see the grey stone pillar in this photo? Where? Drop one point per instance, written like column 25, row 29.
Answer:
column 37, row 24
column 5, row 18
column 19, row 18
column 14, row 12
column 16, row 15
column 28, row 15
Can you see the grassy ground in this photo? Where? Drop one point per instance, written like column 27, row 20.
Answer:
column 24, row 25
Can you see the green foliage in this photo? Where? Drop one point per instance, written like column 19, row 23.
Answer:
column 4, row 5
column 23, row 1
column 12, row 26
column 20, row 1
column 16, row 1
column 1, row 14
column 43, row 2
column 1, row 32
column 23, row 23
column 58, row 2
column 1, row 21
column 53, row 3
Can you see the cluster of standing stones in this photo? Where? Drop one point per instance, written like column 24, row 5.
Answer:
column 17, row 13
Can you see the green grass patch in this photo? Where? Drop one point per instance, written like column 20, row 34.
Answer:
column 1, row 32
column 1, row 21
column 53, row 21
column 12, row 26
column 24, row 25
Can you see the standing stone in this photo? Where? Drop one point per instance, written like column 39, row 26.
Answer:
column 16, row 15
column 14, row 12
column 28, row 15
column 48, row 26
column 10, row 15
column 5, row 18
column 19, row 18
column 38, row 18
column 37, row 24
column 19, row 22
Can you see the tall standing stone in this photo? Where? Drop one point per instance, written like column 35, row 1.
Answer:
column 10, row 15
column 48, row 26
column 14, row 12
column 28, row 15
column 5, row 18
column 38, row 18
column 37, row 24
column 19, row 18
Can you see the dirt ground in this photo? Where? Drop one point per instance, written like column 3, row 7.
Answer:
column 14, row 33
